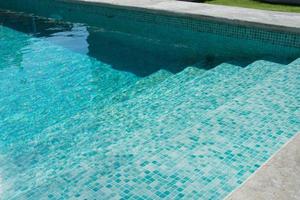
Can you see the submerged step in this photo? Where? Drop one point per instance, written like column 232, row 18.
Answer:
column 103, row 114
column 211, row 152
column 223, row 148
column 195, row 156
column 134, row 112
column 173, row 91
column 52, row 81
column 207, row 99
column 210, row 98
column 185, row 75
column 107, row 125
column 231, row 142
column 137, row 88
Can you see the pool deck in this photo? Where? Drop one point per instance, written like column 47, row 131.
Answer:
column 276, row 179
column 270, row 19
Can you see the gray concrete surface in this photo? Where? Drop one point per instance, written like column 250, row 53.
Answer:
column 296, row 2
column 275, row 20
column 278, row 179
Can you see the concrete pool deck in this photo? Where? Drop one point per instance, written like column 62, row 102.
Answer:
column 270, row 19
column 276, row 179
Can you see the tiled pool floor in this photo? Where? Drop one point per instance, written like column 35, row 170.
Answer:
column 73, row 127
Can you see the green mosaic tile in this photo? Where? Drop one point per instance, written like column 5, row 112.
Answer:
column 73, row 127
column 189, row 23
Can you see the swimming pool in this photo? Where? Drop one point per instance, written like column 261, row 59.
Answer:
column 139, row 108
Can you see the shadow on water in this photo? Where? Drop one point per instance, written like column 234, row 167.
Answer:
column 140, row 47
column 123, row 51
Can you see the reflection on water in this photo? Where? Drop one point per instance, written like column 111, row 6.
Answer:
column 74, row 38
column 143, row 48
column 122, row 51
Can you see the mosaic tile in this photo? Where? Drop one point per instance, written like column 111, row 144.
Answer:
column 189, row 23
column 73, row 127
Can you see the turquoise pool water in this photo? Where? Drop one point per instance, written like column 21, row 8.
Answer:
column 81, row 118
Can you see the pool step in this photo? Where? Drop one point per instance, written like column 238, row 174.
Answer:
column 295, row 63
column 206, row 99
column 131, row 115
column 48, row 70
column 212, row 97
column 226, row 144
column 134, row 111
column 155, row 151
column 65, row 122
column 163, row 76
column 186, row 153
column 231, row 142
column 101, row 111
column 173, row 91
column 137, row 88
column 154, row 100
column 75, row 125
column 111, row 123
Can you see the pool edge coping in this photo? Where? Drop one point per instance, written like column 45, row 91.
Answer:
column 230, row 15
column 269, row 162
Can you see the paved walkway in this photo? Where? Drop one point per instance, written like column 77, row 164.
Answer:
column 277, row 20
column 278, row 179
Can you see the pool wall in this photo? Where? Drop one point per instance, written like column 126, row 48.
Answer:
column 73, row 10
column 205, row 42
